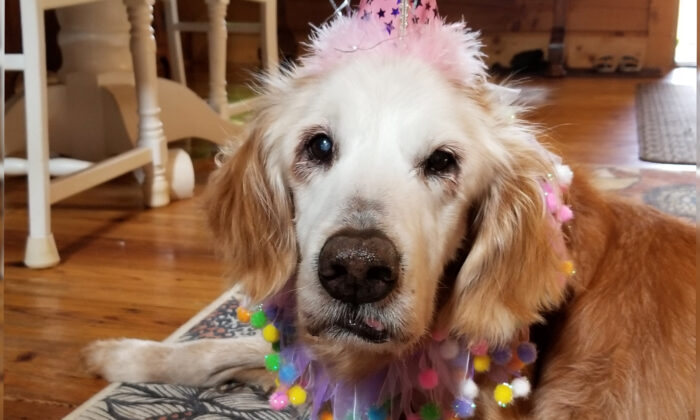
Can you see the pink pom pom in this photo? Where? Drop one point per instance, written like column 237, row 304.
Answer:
column 565, row 214
column 480, row 348
column 428, row 379
column 552, row 202
column 279, row 401
column 413, row 417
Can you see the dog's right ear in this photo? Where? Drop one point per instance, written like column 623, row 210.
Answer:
column 250, row 214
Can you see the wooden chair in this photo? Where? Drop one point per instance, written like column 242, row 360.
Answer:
column 147, row 134
column 217, row 30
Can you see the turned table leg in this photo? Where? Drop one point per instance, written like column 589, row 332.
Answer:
column 218, row 97
column 143, row 52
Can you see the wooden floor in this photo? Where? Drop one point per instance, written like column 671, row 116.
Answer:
column 135, row 272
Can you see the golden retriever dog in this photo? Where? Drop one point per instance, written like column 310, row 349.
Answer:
column 397, row 190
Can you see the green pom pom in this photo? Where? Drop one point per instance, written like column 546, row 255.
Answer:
column 258, row 319
column 272, row 362
column 430, row 411
column 276, row 346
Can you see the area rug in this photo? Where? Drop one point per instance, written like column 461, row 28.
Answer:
column 672, row 192
column 150, row 401
column 666, row 123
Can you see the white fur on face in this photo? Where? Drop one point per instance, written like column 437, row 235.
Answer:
column 385, row 118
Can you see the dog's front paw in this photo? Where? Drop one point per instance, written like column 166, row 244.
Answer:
column 120, row 360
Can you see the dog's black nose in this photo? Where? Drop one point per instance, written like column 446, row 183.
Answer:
column 358, row 266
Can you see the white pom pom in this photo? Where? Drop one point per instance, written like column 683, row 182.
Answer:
column 449, row 349
column 521, row 387
column 565, row 175
column 469, row 389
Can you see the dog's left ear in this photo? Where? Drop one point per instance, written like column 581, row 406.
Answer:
column 250, row 213
column 512, row 272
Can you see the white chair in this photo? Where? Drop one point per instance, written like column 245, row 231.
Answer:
column 150, row 138
column 217, row 29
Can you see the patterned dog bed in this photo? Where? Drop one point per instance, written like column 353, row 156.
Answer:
column 171, row 402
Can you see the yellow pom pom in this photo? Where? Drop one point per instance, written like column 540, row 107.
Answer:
column 297, row 395
column 277, row 382
column 243, row 315
column 271, row 334
column 326, row 415
column 482, row 363
column 568, row 267
column 503, row 394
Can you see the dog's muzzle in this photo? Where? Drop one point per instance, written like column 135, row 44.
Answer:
column 358, row 266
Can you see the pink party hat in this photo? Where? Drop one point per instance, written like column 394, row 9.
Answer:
column 398, row 27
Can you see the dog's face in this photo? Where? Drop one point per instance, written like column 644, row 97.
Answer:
column 359, row 182
column 381, row 166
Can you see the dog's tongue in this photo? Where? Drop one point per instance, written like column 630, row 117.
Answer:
column 374, row 324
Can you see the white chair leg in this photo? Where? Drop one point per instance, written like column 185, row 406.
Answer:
column 268, row 14
column 177, row 63
column 40, row 251
column 218, row 97
column 143, row 51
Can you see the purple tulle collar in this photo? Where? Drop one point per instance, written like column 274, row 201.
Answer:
column 434, row 381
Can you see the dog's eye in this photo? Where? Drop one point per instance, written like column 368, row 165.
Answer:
column 440, row 161
column 320, row 148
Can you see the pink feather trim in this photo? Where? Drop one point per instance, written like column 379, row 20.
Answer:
column 451, row 48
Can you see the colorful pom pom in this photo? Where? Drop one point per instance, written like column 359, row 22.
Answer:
column 521, row 387
column 568, row 267
column 430, row 411
column 428, row 379
column 503, row 394
column 271, row 334
column 469, row 389
column 449, row 349
column 326, row 415
column 501, row 356
column 297, row 395
column 276, row 346
column 279, row 401
column 482, row 363
column 527, row 352
column 552, row 202
column 463, row 408
column 288, row 374
column 565, row 175
column 258, row 319
column 376, row 413
column 565, row 214
column 272, row 362
column 413, row 416
column 480, row 348
column 243, row 315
